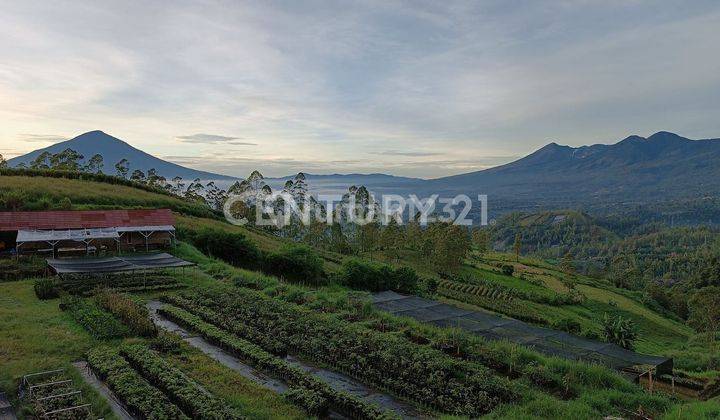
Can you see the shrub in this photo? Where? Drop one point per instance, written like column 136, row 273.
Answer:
column 234, row 248
column 167, row 343
column 46, row 289
column 101, row 324
column 619, row 330
column 311, row 401
column 567, row 324
column 298, row 263
column 365, row 275
column 132, row 314
column 508, row 269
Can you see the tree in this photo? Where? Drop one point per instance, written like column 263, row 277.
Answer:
column 619, row 330
column 95, row 164
column 299, row 190
column 178, row 185
column 481, row 240
column 704, row 306
column 566, row 264
column 152, row 177
column 448, row 245
column 122, row 168
column 195, row 190
column 3, row 162
column 137, row 176
column 67, row 160
column 391, row 238
column 517, row 246
column 41, row 161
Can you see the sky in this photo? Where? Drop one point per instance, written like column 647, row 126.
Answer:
column 416, row 88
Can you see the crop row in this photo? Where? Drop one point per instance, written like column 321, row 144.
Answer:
column 267, row 342
column 141, row 398
column 84, row 285
column 100, row 324
column 309, row 392
column 131, row 313
column 418, row 373
column 489, row 291
column 513, row 309
column 193, row 400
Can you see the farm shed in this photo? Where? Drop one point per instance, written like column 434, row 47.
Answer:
column 92, row 231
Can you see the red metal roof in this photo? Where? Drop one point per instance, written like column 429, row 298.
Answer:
column 46, row 220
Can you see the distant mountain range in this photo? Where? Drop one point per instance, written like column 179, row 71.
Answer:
column 636, row 170
column 664, row 166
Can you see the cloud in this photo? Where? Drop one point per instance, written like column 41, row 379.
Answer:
column 41, row 138
column 214, row 139
column 402, row 153
column 456, row 82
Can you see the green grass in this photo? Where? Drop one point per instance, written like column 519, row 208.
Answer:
column 250, row 398
column 35, row 336
column 91, row 194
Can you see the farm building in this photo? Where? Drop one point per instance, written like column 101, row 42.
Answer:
column 59, row 233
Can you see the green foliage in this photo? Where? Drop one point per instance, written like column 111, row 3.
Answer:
column 187, row 394
column 508, row 269
column 101, row 324
column 261, row 359
column 141, row 398
column 567, row 324
column 297, row 263
column 704, row 309
column 81, row 285
column 619, row 330
column 26, row 189
column 420, row 373
column 46, row 288
column 130, row 312
column 232, row 247
column 311, row 401
column 365, row 275
column 167, row 343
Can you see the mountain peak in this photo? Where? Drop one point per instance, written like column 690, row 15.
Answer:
column 113, row 149
column 665, row 136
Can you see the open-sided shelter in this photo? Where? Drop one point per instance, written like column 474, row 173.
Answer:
column 89, row 231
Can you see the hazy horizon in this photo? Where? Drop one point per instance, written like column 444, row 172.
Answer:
column 405, row 88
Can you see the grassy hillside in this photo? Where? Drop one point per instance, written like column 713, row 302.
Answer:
column 42, row 193
column 524, row 384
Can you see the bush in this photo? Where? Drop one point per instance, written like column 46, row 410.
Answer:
column 234, row 248
column 508, row 269
column 365, row 275
column 297, row 263
column 311, row 401
column 101, row 324
column 567, row 324
column 167, row 343
column 46, row 289
column 619, row 330
column 132, row 314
